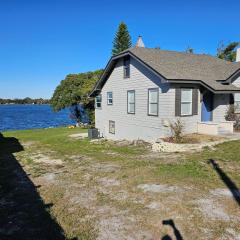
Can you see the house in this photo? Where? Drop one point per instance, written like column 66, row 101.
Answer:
column 143, row 89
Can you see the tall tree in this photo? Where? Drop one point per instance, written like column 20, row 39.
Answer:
column 73, row 91
column 122, row 39
column 228, row 52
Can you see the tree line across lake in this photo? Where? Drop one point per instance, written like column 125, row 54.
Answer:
column 26, row 100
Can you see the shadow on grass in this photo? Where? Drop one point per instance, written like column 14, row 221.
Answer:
column 23, row 214
column 176, row 232
column 227, row 180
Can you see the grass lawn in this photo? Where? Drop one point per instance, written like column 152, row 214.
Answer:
column 53, row 186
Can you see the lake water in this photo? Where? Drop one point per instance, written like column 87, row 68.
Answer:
column 15, row 117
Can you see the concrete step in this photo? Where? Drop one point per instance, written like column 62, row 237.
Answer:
column 223, row 131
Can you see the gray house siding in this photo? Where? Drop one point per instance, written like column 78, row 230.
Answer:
column 220, row 105
column 139, row 125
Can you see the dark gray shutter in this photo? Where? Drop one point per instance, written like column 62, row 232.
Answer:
column 178, row 102
column 195, row 101
column 231, row 99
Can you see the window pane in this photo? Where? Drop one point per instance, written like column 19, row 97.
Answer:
column 186, row 108
column 153, row 108
column 98, row 104
column 127, row 71
column 237, row 97
column 237, row 105
column 98, row 101
column 131, row 97
column 109, row 98
column 131, row 107
column 153, row 96
column 186, row 95
column 98, row 98
column 109, row 94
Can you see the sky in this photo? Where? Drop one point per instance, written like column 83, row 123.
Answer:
column 41, row 41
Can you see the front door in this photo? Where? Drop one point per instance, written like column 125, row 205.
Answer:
column 207, row 106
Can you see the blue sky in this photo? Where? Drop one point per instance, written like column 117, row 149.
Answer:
column 42, row 41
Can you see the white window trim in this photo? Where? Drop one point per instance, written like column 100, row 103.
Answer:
column 237, row 104
column 108, row 98
column 191, row 103
column 125, row 67
column 149, row 103
column 96, row 102
column 128, row 102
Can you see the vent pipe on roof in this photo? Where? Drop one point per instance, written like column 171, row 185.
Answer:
column 140, row 42
column 238, row 55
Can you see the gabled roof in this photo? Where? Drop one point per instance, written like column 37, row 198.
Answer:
column 182, row 67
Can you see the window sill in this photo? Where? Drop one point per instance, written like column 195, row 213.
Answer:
column 187, row 115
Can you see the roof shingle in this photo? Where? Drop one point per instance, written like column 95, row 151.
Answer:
column 186, row 66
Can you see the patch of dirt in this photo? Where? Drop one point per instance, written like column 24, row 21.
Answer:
column 121, row 195
column 45, row 179
column 231, row 234
column 195, row 138
column 79, row 135
column 111, row 153
column 163, row 157
column 213, row 209
column 218, row 205
column 82, row 197
column 79, row 158
column 104, row 167
column 28, row 144
column 107, row 182
column 155, row 205
column 42, row 158
column 159, row 188
column 222, row 192
column 119, row 225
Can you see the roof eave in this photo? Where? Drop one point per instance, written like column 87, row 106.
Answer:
column 108, row 69
column 233, row 77
column 204, row 85
column 105, row 72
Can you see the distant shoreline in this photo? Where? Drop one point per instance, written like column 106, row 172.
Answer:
column 27, row 100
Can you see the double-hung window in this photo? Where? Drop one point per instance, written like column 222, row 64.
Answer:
column 109, row 98
column 237, row 102
column 126, row 67
column 153, row 101
column 186, row 101
column 131, row 101
column 98, row 101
